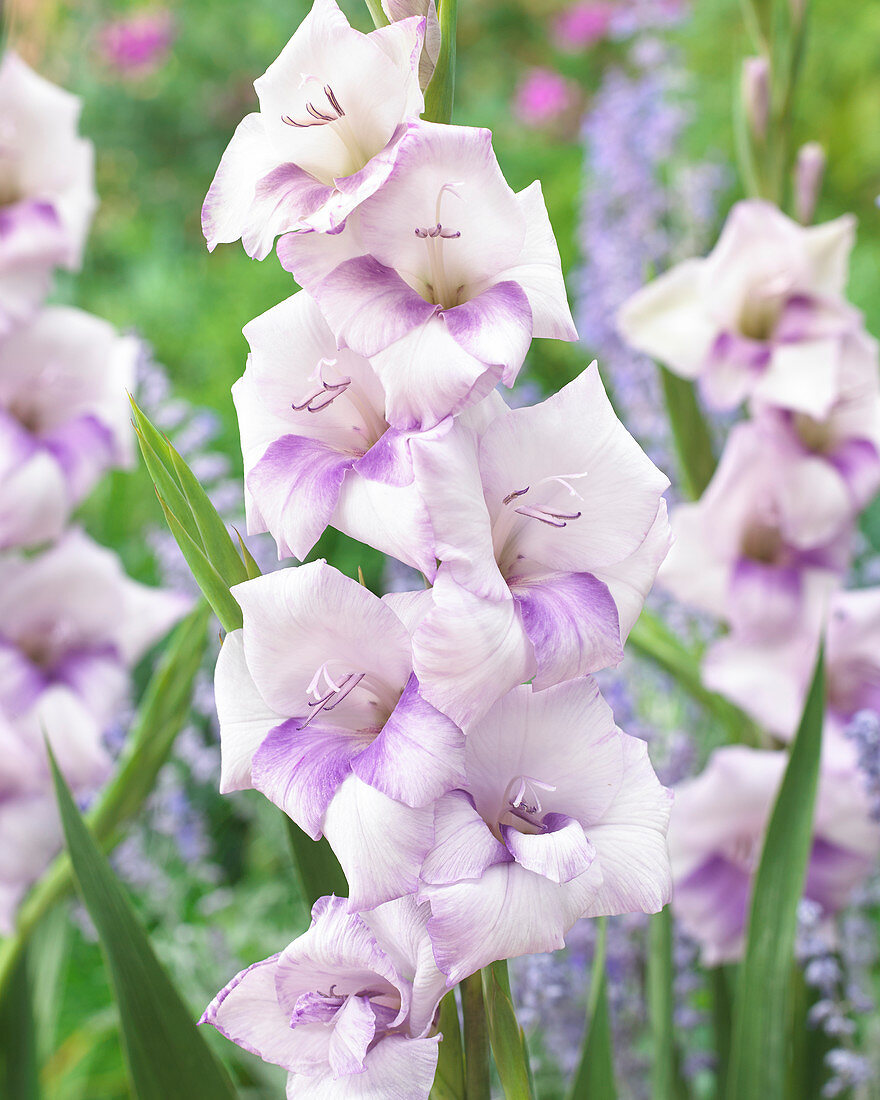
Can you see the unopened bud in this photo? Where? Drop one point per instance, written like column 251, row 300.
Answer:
column 798, row 9
column 808, row 172
column 756, row 94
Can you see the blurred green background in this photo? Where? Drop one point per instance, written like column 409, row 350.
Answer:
column 159, row 136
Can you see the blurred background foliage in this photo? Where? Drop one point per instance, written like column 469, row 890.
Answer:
column 159, row 134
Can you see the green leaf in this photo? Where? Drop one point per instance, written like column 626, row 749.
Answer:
column 440, row 93
column 762, row 1015
column 250, row 564
column 651, row 638
column 505, row 1034
column 721, row 982
column 594, row 1078
column 18, row 1056
column 165, row 1053
column 449, row 1079
column 317, row 868
column 161, row 715
column 155, row 450
column 213, row 586
column 216, row 540
column 690, row 434
column 666, row 1080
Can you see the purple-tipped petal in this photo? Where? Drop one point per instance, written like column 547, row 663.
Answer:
column 300, row 769
column 419, row 754
column 464, row 845
column 560, row 854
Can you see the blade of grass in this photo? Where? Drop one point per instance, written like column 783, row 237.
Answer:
column 594, row 1077
column 762, row 1014
column 166, row 1054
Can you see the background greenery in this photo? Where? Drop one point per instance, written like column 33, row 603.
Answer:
column 159, row 139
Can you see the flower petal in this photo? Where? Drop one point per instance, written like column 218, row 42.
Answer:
column 380, row 843
column 464, row 845
column 560, row 854
column 419, row 754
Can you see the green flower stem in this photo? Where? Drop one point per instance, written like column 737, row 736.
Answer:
column 440, row 93
column 476, row 1038
column 380, row 19
column 505, row 1034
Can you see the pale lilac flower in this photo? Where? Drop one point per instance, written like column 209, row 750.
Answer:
column 541, row 97
column 47, row 194
column 762, row 316
column 550, row 528
column 317, row 448
column 138, row 45
column 427, row 10
column 715, row 837
column 333, row 108
column 441, row 278
column 30, row 832
column 582, row 24
column 70, row 616
column 762, row 550
column 64, row 418
column 30, row 835
column 347, row 1009
column 320, row 710
column 561, row 817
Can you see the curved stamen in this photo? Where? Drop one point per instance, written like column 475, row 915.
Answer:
column 334, row 696
column 526, row 798
column 333, row 389
column 544, row 515
column 321, row 118
column 516, row 493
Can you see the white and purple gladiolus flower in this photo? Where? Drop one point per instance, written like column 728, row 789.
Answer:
column 561, row 817
column 64, row 418
column 47, row 194
column 317, row 448
column 348, row 1009
column 717, row 829
column 333, row 111
column 71, row 617
column 320, row 710
column 441, row 278
column 30, row 830
column 550, row 526
column 762, row 550
column 762, row 317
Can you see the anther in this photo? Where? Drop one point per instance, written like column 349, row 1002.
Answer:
column 516, row 493
column 320, row 117
column 544, row 515
column 329, row 391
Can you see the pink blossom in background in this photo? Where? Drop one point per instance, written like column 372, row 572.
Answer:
column 581, row 25
column 137, row 45
column 542, row 97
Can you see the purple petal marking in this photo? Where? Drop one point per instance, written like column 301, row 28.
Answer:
column 561, row 853
column 84, row 448
column 353, row 1032
column 388, row 460
column 464, row 845
column 419, row 754
column 833, row 873
column 572, row 622
column 300, row 769
column 366, row 304
column 20, row 680
column 714, row 900
column 858, row 463
column 495, row 327
column 296, row 487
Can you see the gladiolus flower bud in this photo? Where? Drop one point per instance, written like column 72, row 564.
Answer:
column 808, row 174
column 756, row 94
